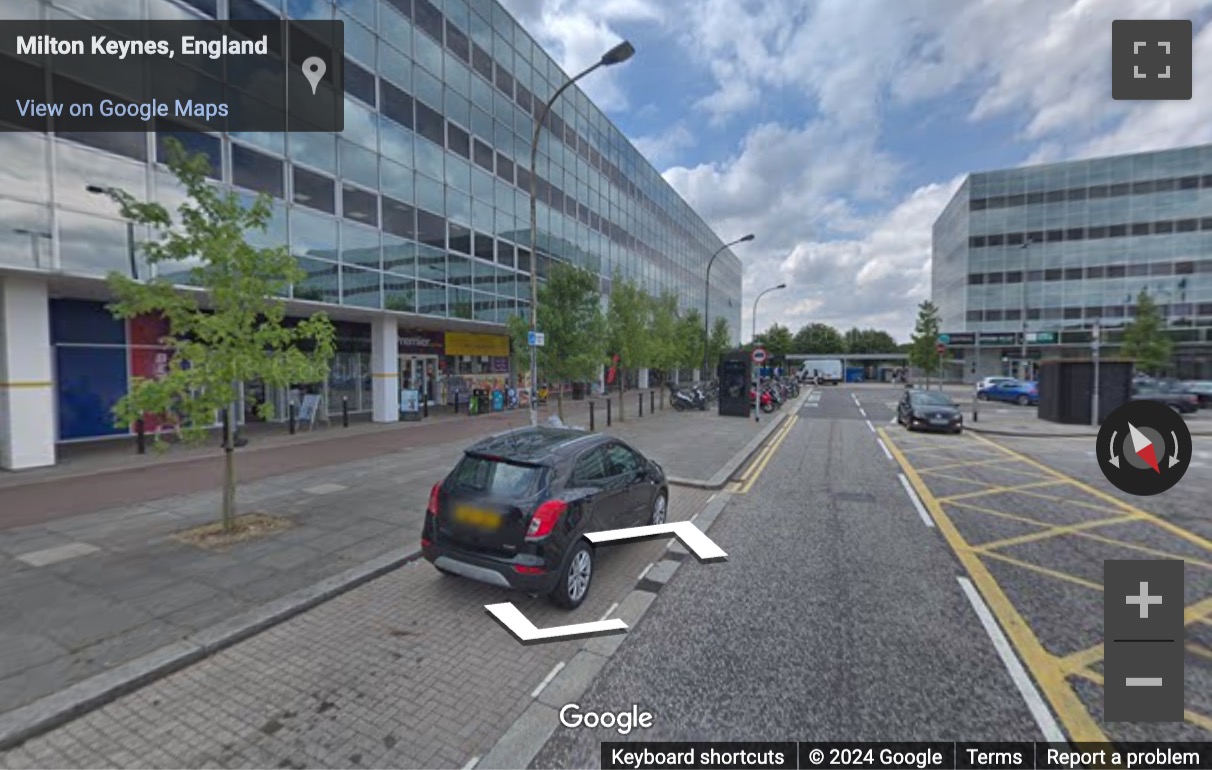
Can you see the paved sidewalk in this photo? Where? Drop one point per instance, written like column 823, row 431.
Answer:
column 91, row 592
column 102, row 475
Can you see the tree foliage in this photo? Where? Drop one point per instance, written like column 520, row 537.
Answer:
column 1145, row 339
column 817, row 339
column 778, row 342
column 240, row 334
column 869, row 341
column 573, row 327
column 691, row 336
column 721, row 342
column 923, row 352
column 626, row 324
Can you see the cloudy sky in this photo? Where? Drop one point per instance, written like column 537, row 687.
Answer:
column 836, row 130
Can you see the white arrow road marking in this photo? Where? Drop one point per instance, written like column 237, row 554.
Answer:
column 516, row 623
column 703, row 547
column 1114, row 457
column 1174, row 457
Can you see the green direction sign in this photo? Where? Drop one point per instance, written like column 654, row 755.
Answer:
column 1042, row 338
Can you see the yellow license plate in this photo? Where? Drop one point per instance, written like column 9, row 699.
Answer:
column 477, row 517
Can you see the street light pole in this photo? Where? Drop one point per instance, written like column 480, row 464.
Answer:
column 1094, row 349
column 707, row 299
column 620, row 53
column 757, row 390
column 1023, row 311
column 130, row 230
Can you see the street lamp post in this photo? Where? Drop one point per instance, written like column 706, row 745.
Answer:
column 1026, row 272
column 617, row 55
column 757, row 390
column 130, row 231
column 1094, row 352
column 707, row 299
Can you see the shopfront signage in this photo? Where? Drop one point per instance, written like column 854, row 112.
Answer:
column 421, row 342
column 998, row 338
column 1044, row 338
column 961, row 338
column 468, row 344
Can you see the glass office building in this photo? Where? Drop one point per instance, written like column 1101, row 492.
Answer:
column 412, row 224
column 1046, row 251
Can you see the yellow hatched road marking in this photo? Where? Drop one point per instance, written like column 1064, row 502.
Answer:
column 1143, row 548
column 1054, row 531
column 981, row 482
column 966, row 464
column 994, row 489
column 1079, row 503
column 1197, row 719
column 1042, row 570
column 1104, row 496
column 1002, row 514
column 1083, row 659
column 1202, row 652
column 1043, row 666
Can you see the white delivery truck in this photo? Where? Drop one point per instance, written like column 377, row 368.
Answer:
column 824, row 372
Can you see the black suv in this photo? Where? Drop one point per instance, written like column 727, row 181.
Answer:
column 515, row 509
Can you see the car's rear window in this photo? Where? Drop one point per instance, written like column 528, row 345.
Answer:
column 495, row 477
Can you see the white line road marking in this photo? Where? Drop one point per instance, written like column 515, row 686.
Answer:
column 884, row 447
column 712, row 497
column 862, row 411
column 472, row 763
column 645, row 572
column 613, row 607
column 893, row 420
column 870, row 427
column 1043, row 717
column 921, row 511
column 547, row 679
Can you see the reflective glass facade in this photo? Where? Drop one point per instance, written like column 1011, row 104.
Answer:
column 1068, row 243
column 421, row 205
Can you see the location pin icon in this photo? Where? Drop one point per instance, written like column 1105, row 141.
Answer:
column 313, row 70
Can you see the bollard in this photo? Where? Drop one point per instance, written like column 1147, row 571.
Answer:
column 140, row 437
column 294, row 417
column 344, row 411
column 976, row 415
column 607, row 413
column 591, row 416
column 456, row 402
column 641, row 411
column 424, row 404
column 652, row 402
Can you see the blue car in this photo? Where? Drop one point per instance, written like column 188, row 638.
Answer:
column 1018, row 392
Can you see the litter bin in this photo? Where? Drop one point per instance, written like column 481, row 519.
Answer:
column 498, row 400
column 478, row 402
column 578, row 391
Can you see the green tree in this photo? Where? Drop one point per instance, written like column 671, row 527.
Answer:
column 690, row 335
column 923, row 352
column 570, row 318
column 721, row 341
column 1145, row 339
column 665, row 344
column 627, row 324
column 240, row 336
column 869, row 341
column 818, row 339
column 778, row 342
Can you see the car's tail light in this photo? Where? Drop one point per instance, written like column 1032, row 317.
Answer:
column 434, row 495
column 522, row 569
column 545, row 518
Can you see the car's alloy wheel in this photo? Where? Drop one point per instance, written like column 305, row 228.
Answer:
column 1023, row 400
column 570, row 592
column 658, row 510
column 982, row 396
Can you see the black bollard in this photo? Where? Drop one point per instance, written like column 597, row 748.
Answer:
column 976, row 415
column 652, row 402
column 344, row 411
column 424, row 404
column 607, row 413
column 456, row 402
column 294, row 418
column 140, row 437
column 641, row 395
column 591, row 416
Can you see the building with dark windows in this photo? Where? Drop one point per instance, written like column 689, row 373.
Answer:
column 1040, row 254
column 412, row 224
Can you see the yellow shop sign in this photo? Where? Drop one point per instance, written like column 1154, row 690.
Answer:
column 468, row 344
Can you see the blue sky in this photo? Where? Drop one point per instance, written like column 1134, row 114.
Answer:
column 836, row 130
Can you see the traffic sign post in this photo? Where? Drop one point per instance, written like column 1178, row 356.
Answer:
column 1094, row 344
column 759, row 357
column 535, row 339
column 940, row 348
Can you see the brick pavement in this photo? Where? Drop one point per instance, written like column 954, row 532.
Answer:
column 97, row 590
column 405, row 671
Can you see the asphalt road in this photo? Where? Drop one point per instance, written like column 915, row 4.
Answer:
column 837, row 616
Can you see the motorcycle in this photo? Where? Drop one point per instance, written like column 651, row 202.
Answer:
column 767, row 402
column 680, row 400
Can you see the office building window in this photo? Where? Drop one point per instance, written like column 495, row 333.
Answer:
column 460, row 238
column 1163, row 227
column 399, row 218
column 397, row 105
column 485, row 249
column 504, row 168
column 255, row 171
column 359, row 83
column 431, row 124
column 314, row 190
column 457, row 42
column 193, row 143
column 483, row 156
column 458, row 140
column 428, row 18
column 481, row 62
column 360, row 205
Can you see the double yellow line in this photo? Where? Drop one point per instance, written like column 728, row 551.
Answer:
column 763, row 457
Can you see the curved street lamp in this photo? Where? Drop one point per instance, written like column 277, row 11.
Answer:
column 707, row 297
column 757, row 391
column 617, row 55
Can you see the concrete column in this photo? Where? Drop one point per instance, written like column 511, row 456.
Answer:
column 602, row 378
column 643, row 378
column 27, row 395
column 385, row 369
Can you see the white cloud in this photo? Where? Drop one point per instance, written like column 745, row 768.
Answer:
column 665, row 147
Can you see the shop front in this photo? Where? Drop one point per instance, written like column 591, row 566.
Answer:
column 423, row 364
column 476, row 362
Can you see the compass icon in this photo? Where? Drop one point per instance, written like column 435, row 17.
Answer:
column 1144, row 448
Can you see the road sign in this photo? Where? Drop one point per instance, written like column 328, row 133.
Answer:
column 943, row 339
column 534, row 339
column 759, row 355
column 940, row 348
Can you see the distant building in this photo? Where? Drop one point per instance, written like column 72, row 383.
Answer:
column 1047, row 250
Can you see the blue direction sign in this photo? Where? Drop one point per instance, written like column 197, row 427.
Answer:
column 534, row 339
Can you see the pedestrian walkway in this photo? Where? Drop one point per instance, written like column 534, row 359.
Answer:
column 97, row 589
